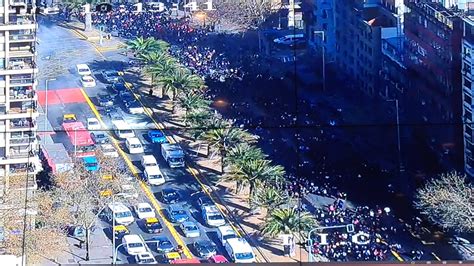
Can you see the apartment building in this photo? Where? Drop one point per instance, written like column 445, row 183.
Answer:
column 360, row 28
column 19, row 162
column 323, row 20
column 433, row 60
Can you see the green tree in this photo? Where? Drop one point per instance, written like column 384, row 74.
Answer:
column 288, row 221
column 154, row 57
column 192, row 101
column 180, row 81
column 448, row 201
column 141, row 45
column 224, row 138
column 244, row 152
column 268, row 197
column 255, row 172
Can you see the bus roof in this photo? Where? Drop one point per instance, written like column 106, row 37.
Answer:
column 78, row 134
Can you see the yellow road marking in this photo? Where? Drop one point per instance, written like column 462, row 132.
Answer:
column 396, row 255
column 144, row 187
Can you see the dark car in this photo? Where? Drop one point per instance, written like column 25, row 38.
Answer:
column 105, row 100
column 110, row 76
column 205, row 248
column 100, row 137
column 115, row 114
column 118, row 87
column 126, row 96
column 205, row 201
column 169, row 195
column 163, row 244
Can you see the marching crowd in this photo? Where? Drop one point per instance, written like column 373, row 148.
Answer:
column 188, row 42
column 188, row 45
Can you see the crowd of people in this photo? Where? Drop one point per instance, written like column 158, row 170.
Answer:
column 188, row 42
column 190, row 47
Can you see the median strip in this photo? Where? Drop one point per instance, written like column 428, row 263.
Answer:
column 144, row 187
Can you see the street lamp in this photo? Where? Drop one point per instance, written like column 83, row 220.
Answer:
column 46, row 105
column 349, row 227
column 400, row 164
column 324, row 55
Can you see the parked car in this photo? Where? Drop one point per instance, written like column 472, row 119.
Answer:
column 218, row 259
column 126, row 97
column 205, row 248
column 100, row 137
column 110, row 76
column 83, row 70
column 109, row 150
column 88, row 82
column 152, row 225
column 156, row 136
column 190, row 229
column 177, row 213
column 144, row 210
column 145, row 258
column 105, row 100
column 163, row 244
column 93, row 124
column 170, row 195
column 289, row 39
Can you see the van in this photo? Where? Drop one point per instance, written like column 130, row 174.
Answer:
column 134, row 146
column 225, row 232
column 134, row 244
column 239, row 250
column 83, row 70
column 148, row 161
column 154, row 176
column 120, row 213
column 122, row 129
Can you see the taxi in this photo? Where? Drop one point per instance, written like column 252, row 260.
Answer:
column 68, row 118
column 107, row 177
column 106, row 193
column 152, row 225
column 120, row 231
column 171, row 256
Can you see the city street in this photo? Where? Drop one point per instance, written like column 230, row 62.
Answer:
column 65, row 96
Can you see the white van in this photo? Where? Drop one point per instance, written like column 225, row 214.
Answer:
column 148, row 161
column 120, row 213
column 239, row 250
column 225, row 232
column 134, row 145
column 134, row 244
column 83, row 70
column 154, row 176
column 122, row 129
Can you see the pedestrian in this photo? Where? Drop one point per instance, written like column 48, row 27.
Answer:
column 150, row 92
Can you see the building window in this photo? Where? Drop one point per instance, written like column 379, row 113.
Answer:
column 325, row 26
column 467, row 84
column 467, row 52
column 468, row 131
column 324, row 14
column 467, row 99
column 467, row 68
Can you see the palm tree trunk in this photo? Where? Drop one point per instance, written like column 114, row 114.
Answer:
column 251, row 189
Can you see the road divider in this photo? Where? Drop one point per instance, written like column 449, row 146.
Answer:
column 143, row 185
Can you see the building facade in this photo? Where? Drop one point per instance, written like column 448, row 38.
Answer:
column 323, row 21
column 359, row 32
column 19, row 161
column 433, row 60
column 467, row 94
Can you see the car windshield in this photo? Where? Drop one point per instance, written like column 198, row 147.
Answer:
column 206, row 247
column 86, row 148
column 165, row 244
column 123, row 214
column 215, row 217
column 171, row 194
column 178, row 212
column 175, row 160
column 136, row 146
column 145, row 209
column 150, row 164
column 147, row 260
column 155, row 177
column 191, row 228
column 93, row 122
column 126, row 131
column 83, row 70
column 100, row 136
column 229, row 237
column 156, row 134
column 135, row 245
column 244, row 255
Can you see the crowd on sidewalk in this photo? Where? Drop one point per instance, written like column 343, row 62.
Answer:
column 188, row 46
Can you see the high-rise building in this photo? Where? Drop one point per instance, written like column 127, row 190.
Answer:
column 19, row 161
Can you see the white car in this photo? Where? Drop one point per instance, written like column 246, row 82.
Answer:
column 109, row 150
column 145, row 258
column 83, row 70
column 88, row 82
column 134, row 244
column 144, row 210
column 93, row 124
column 190, row 229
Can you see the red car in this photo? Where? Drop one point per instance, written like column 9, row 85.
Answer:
column 218, row 259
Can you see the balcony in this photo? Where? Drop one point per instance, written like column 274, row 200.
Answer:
column 23, row 152
column 22, row 94
column 24, row 80
column 22, row 66
column 22, row 108
column 22, row 123
column 25, row 140
column 18, row 3
column 22, row 51
column 22, row 38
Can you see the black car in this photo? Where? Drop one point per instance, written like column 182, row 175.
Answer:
column 126, row 96
column 110, row 76
column 163, row 244
column 100, row 137
column 205, row 201
column 205, row 248
column 105, row 100
column 169, row 195
column 118, row 87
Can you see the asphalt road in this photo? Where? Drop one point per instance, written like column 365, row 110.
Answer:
column 54, row 41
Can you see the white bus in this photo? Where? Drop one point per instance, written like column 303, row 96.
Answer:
column 122, row 129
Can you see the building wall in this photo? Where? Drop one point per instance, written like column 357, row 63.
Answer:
column 467, row 95
column 18, row 98
column 324, row 20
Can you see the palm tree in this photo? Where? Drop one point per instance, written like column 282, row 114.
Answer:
column 154, row 57
column 179, row 81
column 141, row 45
column 253, row 173
column 288, row 221
column 269, row 197
column 244, row 152
column 224, row 138
column 192, row 101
